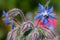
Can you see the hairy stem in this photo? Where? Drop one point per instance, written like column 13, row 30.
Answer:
column 16, row 11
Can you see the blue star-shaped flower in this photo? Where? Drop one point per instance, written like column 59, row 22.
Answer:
column 7, row 21
column 44, row 14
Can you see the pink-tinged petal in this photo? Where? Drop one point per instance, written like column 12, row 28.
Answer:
column 54, row 22
column 41, row 24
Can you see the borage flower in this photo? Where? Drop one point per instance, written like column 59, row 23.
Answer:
column 45, row 14
column 7, row 21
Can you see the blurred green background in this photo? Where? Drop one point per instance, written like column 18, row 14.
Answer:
column 25, row 6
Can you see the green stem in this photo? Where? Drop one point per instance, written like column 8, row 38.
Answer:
column 46, row 5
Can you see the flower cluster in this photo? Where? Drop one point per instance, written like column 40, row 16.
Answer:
column 46, row 17
column 45, row 14
column 28, row 30
column 7, row 19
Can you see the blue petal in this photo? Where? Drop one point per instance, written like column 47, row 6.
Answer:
column 13, row 25
column 44, row 20
column 7, row 21
column 41, row 8
column 38, row 16
column 4, row 14
column 50, row 9
column 51, row 16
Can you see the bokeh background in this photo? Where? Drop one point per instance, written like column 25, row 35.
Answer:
column 26, row 6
